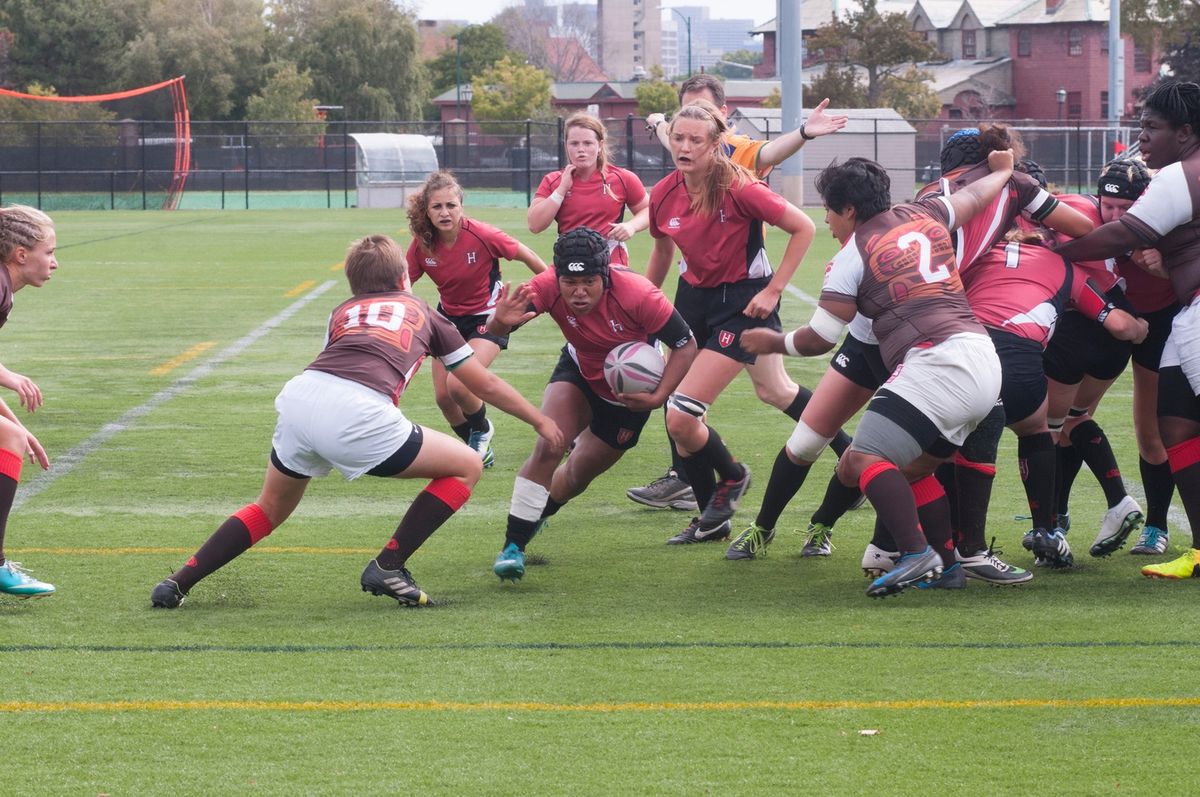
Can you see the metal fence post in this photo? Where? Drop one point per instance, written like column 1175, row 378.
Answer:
column 346, row 164
column 875, row 123
column 629, row 164
column 561, row 145
column 39, row 165
column 528, row 163
column 246, row 160
column 112, row 190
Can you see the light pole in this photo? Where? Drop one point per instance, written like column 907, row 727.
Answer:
column 458, row 71
column 687, row 22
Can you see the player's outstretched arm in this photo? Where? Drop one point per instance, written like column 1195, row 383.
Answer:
column 1123, row 326
column 530, row 258
column 1068, row 221
column 500, row 394
column 818, row 123
column 970, row 200
column 512, row 310
column 1107, row 240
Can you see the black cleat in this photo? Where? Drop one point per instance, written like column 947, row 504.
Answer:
column 396, row 584
column 166, row 595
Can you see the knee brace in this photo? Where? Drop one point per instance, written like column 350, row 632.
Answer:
column 805, row 444
column 528, row 499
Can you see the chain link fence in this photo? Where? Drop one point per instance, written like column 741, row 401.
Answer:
column 130, row 164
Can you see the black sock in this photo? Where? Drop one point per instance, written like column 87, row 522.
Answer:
column 520, row 531
column 700, row 475
column 892, row 496
column 8, row 492
column 719, row 457
column 1069, row 463
column 973, row 484
column 477, row 421
column 1093, row 446
column 1037, row 458
column 425, row 515
column 1187, row 479
column 945, row 474
column 837, row 502
column 1159, row 486
column 882, row 538
column 935, row 524
column 463, row 430
column 796, row 408
column 552, row 507
column 786, row 480
column 677, row 460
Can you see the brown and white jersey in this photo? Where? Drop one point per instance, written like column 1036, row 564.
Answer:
column 1167, row 217
column 899, row 269
column 380, row 339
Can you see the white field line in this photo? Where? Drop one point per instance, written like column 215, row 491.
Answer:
column 63, row 464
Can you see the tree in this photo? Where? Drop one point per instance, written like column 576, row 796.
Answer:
column 656, row 95
column 727, row 66
column 507, row 92
column 218, row 44
column 909, row 93
column 362, row 54
column 841, row 85
column 563, row 50
column 774, row 99
column 480, row 47
column 1174, row 25
column 72, row 44
column 14, row 109
column 883, row 46
column 285, row 97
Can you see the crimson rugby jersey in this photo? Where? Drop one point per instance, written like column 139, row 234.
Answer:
column 467, row 274
column 597, row 203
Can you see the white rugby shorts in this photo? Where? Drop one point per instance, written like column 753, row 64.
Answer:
column 1183, row 344
column 954, row 384
column 327, row 422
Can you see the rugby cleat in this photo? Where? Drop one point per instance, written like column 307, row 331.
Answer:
column 510, row 563
column 666, row 492
column 697, row 532
column 1119, row 522
column 166, row 595
column 818, row 542
column 397, row 584
column 725, row 500
column 952, row 577
column 14, row 580
column 750, row 543
column 986, row 565
column 481, row 442
column 1186, row 566
column 1152, row 542
column 910, row 569
column 1052, row 549
column 876, row 561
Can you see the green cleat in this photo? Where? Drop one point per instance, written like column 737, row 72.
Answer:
column 751, row 543
column 818, row 542
column 15, row 581
column 510, row 564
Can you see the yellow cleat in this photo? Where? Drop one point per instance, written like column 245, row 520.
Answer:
column 1186, row 566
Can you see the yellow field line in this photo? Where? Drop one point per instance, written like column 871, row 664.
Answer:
column 191, row 354
column 171, row 550
column 301, row 288
column 337, row 267
column 22, row 706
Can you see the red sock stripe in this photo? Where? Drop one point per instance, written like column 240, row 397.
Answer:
column 872, row 471
column 986, row 468
column 450, row 491
column 256, row 520
column 1184, row 455
column 10, row 464
column 928, row 490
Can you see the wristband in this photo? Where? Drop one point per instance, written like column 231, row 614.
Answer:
column 789, row 346
column 1108, row 308
column 804, row 134
column 556, row 197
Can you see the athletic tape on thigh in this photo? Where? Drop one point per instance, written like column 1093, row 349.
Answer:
column 10, row 464
column 255, row 520
column 687, row 404
column 528, row 500
column 450, row 491
column 805, row 444
column 1184, row 455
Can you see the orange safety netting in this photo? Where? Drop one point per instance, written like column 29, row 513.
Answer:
column 183, row 126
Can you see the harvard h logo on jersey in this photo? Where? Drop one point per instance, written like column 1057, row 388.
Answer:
column 725, row 339
column 624, row 436
column 470, row 257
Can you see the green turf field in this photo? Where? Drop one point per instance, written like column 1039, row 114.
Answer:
column 621, row 666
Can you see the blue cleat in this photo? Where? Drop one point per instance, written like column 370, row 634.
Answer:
column 510, row 564
column 910, row 568
column 953, row 577
column 15, row 581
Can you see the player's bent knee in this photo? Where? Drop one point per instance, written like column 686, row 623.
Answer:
column 805, row 444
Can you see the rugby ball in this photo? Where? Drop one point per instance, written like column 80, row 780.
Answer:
column 634, row 367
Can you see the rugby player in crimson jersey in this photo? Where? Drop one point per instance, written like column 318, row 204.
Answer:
column 897, row 268
column 591, row 192
column 597, row 309
column 771, row 382
column 342, row 412
column 462, row 256
column 1167, row 218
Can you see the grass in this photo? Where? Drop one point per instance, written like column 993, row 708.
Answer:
column 622, row 666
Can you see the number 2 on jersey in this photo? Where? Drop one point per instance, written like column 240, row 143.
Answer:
column 925, row 253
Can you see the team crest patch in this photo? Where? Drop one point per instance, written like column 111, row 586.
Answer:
column 481, row 329
column 725, row 339
column 624, row 436
column 1023, row 467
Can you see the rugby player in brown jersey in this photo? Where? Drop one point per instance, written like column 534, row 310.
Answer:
column 1167, row 218
column 897, row 267
column 342, row 412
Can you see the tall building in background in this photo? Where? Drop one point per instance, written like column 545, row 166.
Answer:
column 630, row 34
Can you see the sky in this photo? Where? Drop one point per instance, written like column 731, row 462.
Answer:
column 482, row 10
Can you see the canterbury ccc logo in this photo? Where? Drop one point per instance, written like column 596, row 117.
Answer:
column 1111, row 187
column 575, row 266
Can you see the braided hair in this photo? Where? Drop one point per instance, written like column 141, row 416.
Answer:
column 1178, row 102
column 581, row 252
column 22, row 226
column 972, row 145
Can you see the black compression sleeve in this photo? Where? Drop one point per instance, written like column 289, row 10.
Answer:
column 675, row 333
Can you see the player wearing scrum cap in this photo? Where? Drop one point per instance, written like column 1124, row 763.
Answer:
column 597, row 309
